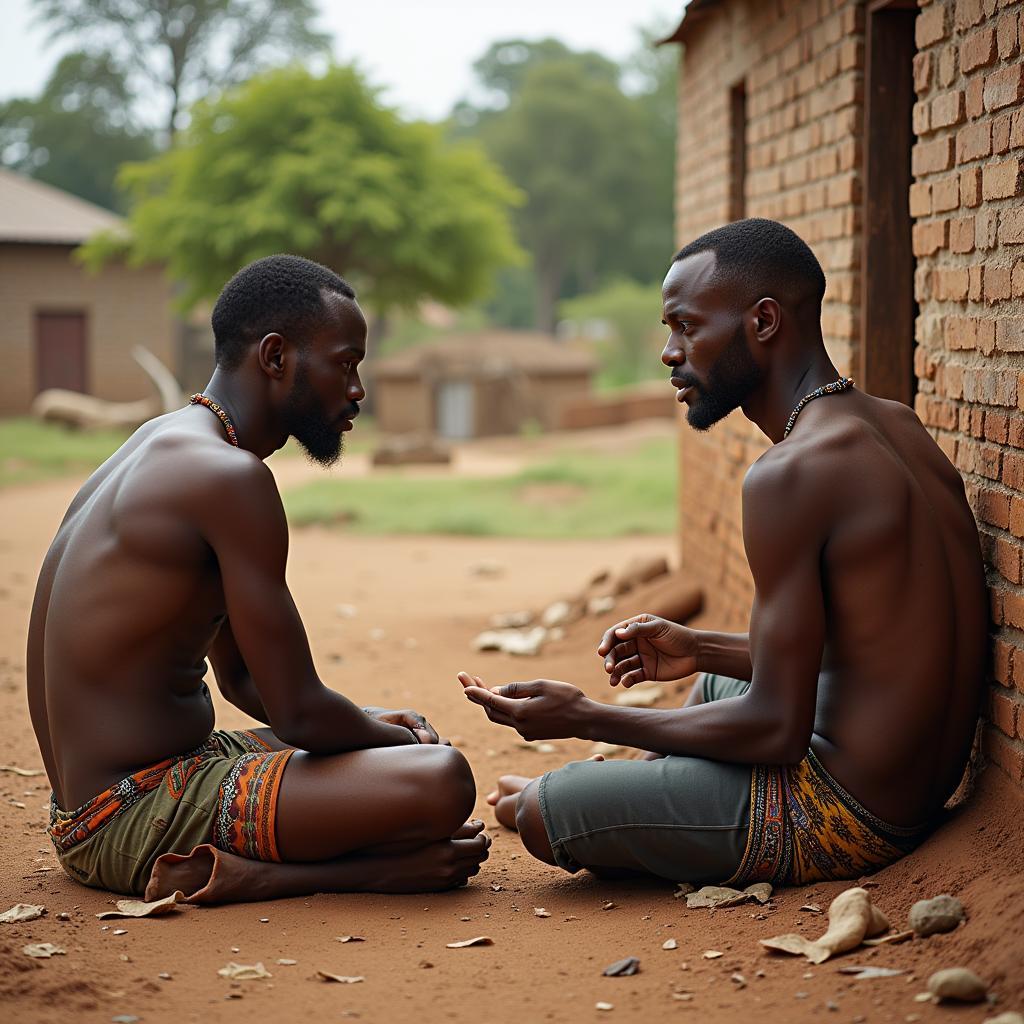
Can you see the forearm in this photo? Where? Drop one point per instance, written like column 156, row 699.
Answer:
column 724, row 654
column 734, row 729
column 244, row 696
column 330, row 723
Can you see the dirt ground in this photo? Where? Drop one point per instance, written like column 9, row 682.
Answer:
column 418, row 602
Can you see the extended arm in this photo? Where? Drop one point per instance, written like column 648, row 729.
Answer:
column 233, row 678
column 247, row 530
column 773, row 721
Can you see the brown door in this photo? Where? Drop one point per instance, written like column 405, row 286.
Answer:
column 61, row 357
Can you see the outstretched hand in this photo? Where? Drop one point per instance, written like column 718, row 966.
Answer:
column 542, row 709
column 646, row 647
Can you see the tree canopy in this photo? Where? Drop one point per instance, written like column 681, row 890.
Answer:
column 293, row 162
column 594, row 160
column 186, row 49
column 77, row 132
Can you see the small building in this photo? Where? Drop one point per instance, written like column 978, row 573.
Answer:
column 62, row 326
column 479, row 384
column 889, row 135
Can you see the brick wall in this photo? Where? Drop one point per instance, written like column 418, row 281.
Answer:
column 123, row 307
column 803, row 65
column 969, row 244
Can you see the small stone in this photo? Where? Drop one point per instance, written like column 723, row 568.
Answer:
column 670, row 944
column 624, row 968
column 1009, row 1017
column 832, row 1006
column 934, row 916
column 957, row 984
column 604, row 1006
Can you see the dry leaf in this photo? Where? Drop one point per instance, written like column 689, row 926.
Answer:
column 285, row 962
column 480, row 940
column 139, row 908
column 244, row 972
column 683, row 997
column 670, row 944
column 351, row 938
column 683, row 889
column 624, row 968
column 761, row 891
column 120, row 931
column 811, row 908
column 43, row 950
column 22, row 912
column 540, row 912
column 28, row 773
column 870, row 972
column 343, row 979
column 851, row 917
column 886, row 940
column 711, row 954
column 716, row 896
column 609, row 905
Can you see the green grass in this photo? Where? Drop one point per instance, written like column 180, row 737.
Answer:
column 579, row 494
column 30, row 450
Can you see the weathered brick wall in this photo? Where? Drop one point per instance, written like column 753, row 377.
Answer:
column 803, row 72
column 969, row 244
column 803, row 62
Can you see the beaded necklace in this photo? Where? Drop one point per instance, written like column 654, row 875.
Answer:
column 835, row 387
column 200, row 399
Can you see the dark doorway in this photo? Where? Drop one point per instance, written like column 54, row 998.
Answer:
column 888, row 308
column 738, row 151
column 61, row 356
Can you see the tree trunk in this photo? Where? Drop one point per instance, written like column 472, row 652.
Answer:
column 549, row 286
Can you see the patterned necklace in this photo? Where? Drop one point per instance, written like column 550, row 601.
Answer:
column 200, row 399
column 843, row 384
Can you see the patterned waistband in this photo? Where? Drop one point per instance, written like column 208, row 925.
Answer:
column 69, row 828
column 805, row 827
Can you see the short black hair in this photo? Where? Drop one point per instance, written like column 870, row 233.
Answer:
column 759, row 257
column 282, row 293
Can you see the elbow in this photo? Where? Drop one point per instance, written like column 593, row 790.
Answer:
column 789, row 746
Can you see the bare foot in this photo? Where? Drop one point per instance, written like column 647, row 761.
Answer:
column 505, row 798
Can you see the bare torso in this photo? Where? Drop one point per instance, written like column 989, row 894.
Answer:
column 128, row 604
column 904, row 603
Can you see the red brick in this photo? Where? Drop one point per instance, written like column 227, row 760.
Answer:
column 946, row 194
column 947, row 109
column 1013, row 473
column 1013, row 609
column 1011, row 226
column 976, row 277
column 1006, row 35
column 996, row 426
column 931, row 26
column 951, row 284
column 919, row 118
column 994, row 508
column 970, row 186
column 974, row 97
column 967, row 13
column 986, row 224
column 977, row 50
column 929, row 237
column 972, row 142
column 961, row 234
column 1010, row 335
column 920, row 199
column 1004, row 714
column 929, row 157
column 1004, row 87
column 1015, row 426
column 1015, row 516
column 1001, row 134
column 1016, row 129
column 1017, row 280
column 1001, row 180
column 922, row 72
column 1002, row 661
column 997, row 283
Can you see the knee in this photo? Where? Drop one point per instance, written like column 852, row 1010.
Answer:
column 445, row 789
column 530, row 824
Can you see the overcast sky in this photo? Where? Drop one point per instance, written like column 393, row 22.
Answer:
column 421, row 51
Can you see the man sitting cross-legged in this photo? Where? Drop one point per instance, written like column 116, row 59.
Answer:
column 173, row 552
column 822, row 744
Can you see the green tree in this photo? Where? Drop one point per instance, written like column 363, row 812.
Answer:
column 187, row 49
column 596, row 173
column 291, row 162
column 78, row 132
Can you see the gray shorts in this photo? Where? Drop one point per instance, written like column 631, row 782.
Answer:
column 681, row 818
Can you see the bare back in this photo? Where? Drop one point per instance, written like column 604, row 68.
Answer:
column 127, row 605
column 905, row 612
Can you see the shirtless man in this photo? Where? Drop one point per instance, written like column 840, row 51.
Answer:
column 822, row 743
column 173, row 552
